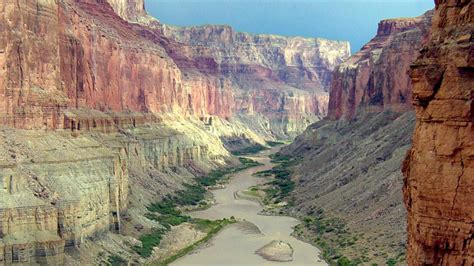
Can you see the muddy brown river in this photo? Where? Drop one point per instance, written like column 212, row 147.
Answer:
column 237, row 243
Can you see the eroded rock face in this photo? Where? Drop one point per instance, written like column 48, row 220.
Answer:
column 376, row 77
column 82, row 54
column 285, row 79
column 439, row 169
column 59, row 189
column 131, row 10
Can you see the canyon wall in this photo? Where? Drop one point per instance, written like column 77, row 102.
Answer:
column 375, row 79
column 132, row 10
column 81, row 54
column 102, row 113
column 348, row 170
column 439, row 169
column 285, row 79
column 61, row 190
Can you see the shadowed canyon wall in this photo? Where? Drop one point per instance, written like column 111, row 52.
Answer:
column 439, row 169
column 348, row 176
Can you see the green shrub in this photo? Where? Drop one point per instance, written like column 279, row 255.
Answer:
column 343, row 261
column 250, row 150
column 274, row 143
column 149, row 241
column 391, row 262
column 116, row 260
column 191, row 195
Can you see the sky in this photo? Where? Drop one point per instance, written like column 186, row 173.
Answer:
column 349, row 20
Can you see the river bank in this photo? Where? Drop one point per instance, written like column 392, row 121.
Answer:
column 238, row 243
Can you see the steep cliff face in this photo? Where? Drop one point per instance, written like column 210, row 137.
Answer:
column 375, row 78
column 439, row 169
column 303, row 62
column 284, row 79
column 60, row 190
column 81, row 54
column 131, row 10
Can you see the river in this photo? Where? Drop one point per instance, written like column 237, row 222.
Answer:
column 237, row 243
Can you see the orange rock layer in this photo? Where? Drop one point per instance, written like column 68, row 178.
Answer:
column 439, row 169
column 85, row 54
column 376, row 77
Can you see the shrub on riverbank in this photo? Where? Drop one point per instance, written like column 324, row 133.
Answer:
column 282, row 184
column 212, row 228
column 330, row 235
column 250, row 150
column 274, row 143
column 167, row 212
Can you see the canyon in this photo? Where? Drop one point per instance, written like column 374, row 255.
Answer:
column 106, row 113
column 104, row 110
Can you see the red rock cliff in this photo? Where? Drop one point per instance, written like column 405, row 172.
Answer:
column 69, row 54
column 285, row 79
column 376, row 77
column 439, row 169
column 132, row 10
column 81, row 54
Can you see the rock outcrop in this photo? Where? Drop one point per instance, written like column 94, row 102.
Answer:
column 276, row 251
column 375, row 79
column 439, row 169
column 132, row 11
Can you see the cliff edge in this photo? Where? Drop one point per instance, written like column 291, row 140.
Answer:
column 439, row 169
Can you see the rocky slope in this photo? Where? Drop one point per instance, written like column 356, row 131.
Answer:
column 350, row 162
column 101, row 113
column 439, row 169
column 351, row 170
column 375, row 78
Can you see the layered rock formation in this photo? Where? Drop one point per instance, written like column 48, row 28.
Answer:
column 350, row 162
column 284, row 79
column 439, row 169
column 60, row 190
column 79, row 54
column 375, row 79
column 102, row 112
column 132, row 10
column 83, row 60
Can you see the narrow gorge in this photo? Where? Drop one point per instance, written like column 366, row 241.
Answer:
column 128, row 141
